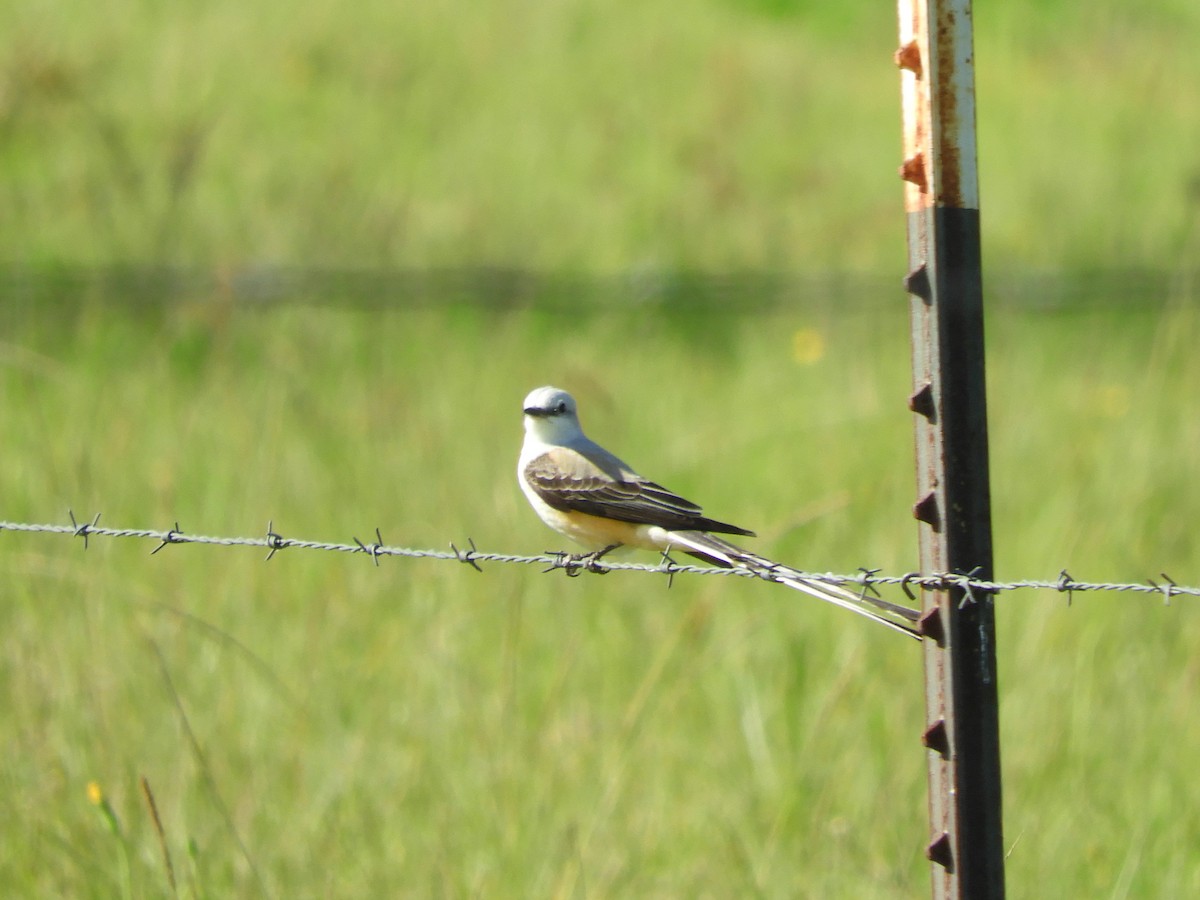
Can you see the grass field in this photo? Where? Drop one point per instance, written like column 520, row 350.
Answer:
column 713, row 134
column 316, row 726
column 319, row 727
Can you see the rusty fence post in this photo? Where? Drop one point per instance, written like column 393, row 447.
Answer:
column 953, row 508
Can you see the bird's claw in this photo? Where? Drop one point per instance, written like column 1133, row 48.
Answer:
column 574, row 563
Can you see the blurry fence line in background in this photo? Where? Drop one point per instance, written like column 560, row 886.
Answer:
column 866, row 578
column 497, row 287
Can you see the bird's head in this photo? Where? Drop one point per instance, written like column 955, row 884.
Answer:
column 550, row 414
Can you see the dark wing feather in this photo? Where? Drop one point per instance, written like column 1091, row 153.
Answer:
column 569, row 481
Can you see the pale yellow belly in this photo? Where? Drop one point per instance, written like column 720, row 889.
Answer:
column 596, row 533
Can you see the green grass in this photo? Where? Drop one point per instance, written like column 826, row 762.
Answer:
column 315, row 726
column 420, row 729
column 597, row 136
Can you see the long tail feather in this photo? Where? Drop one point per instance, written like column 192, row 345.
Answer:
column 723, row 553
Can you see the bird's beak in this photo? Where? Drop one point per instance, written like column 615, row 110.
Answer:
column 536, row 412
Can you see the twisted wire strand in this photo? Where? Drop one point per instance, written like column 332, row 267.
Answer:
column 865, row 578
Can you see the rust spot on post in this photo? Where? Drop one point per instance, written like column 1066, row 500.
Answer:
column 913, row 171
column 930, row 626
column 952, row 86
column 908, row 57
column 926, row 510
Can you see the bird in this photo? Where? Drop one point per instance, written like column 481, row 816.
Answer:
column 597, row 500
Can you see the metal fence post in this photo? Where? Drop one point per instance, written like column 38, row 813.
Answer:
column 936, row 57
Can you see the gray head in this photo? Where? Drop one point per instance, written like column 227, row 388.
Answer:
column 550, row 413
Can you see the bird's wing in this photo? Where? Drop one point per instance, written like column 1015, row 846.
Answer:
column 599, row 484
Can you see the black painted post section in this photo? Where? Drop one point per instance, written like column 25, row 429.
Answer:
column 950, row 411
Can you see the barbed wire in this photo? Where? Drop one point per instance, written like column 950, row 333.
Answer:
column 574, row 564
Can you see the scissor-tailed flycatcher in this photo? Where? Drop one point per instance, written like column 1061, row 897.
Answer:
column 581, row 490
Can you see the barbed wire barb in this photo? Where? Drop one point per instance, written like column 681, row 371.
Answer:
column 375, row 549
column 83, row 530
column 467, row 556
column 174, row 536
column 1166, row 588
column 968, row 587
column 668, row 566
column 1065, row 584
column 275, row 541
column 864, row 579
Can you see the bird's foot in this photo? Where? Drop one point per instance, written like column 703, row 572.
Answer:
column 574, row 563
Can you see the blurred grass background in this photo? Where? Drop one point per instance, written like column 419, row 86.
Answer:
column 719, row 135
column 701, row 198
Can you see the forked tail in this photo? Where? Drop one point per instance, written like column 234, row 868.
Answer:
column 712, row 549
